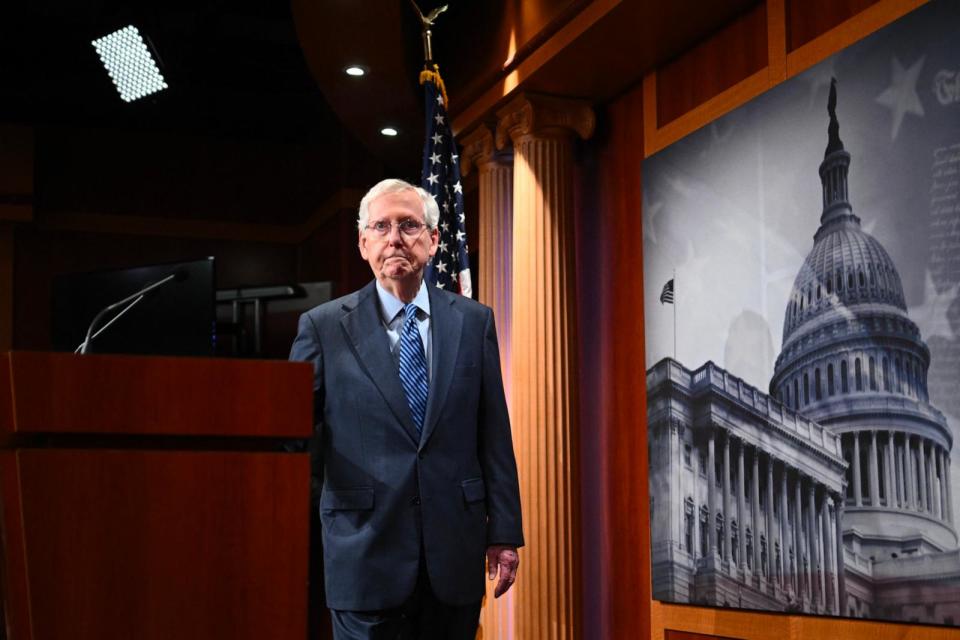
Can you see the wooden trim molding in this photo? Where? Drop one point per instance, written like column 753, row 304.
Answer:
column 845, row 34
column 781, row 65
column 506, row 86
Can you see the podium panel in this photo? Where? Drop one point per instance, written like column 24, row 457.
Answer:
column 150, row 498
column 157, row 545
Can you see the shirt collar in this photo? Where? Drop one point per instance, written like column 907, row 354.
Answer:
column 391, row 306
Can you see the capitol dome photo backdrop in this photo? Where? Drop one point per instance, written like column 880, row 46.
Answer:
column 802, row 314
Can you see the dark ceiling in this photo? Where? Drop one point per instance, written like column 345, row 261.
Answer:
column 259, row 123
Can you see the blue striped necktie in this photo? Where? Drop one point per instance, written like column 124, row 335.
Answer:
column 413, row 366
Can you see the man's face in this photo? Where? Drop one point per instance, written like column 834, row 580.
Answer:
column 397, row 258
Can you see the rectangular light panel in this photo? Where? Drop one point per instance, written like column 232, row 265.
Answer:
column 129, row 63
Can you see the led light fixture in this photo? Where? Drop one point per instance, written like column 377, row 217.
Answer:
column 129, row 64
column 389, row 131
column 355, row 71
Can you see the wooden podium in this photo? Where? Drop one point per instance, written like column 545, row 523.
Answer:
column 149, row 497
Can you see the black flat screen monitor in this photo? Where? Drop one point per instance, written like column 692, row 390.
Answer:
column 176, row 318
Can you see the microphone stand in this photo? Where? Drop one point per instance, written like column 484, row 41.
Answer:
column 130, row 301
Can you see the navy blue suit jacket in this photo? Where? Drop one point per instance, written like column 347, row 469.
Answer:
column 386, row 492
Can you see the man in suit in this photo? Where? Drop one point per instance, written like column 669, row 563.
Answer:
column 415, row 458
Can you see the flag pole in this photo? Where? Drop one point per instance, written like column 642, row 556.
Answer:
column 675, row 296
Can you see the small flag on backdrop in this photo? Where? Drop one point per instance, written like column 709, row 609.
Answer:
column 450, row 267
column 667, row 294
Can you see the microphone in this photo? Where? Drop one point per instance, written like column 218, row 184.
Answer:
column 130, row 301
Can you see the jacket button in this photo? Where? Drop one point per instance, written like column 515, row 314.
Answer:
column 415, row 501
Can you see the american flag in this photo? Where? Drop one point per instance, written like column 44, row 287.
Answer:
column 450, row 268
column 667, row 294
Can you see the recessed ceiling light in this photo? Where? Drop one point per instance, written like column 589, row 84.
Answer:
column 355, row 71
column 389, row 131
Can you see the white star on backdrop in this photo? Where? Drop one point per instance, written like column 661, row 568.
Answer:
column 650, row 212
column 931, row 314
column 819, row 78
column 901, row 96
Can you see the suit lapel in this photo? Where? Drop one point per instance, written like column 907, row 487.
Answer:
column 365, row 331
column 446, row 324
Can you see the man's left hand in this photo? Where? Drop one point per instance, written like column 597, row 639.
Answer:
column 504, row 560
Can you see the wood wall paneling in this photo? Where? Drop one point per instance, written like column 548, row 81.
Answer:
column 613, row 391
column 728, row 57
column 807, row 19
column 876, row 16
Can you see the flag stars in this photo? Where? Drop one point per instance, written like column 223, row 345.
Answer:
column 457, row 188
column 435, row 158
column 437, row 139
column 432, row 178
column 445, row 226
column 439, row 118
column 460, row 236
column 441, row 267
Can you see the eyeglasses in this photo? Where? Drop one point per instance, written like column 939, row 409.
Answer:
column 408, row 227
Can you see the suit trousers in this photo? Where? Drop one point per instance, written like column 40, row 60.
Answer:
column 421, row 617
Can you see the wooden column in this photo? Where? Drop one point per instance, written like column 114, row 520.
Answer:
column 544, row 379
column 495, row 218
column 496, row 230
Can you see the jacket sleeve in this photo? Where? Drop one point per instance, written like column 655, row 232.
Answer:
column 307, row 348
column 504, row 523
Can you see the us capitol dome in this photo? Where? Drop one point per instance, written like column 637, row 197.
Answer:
column 854, row 362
